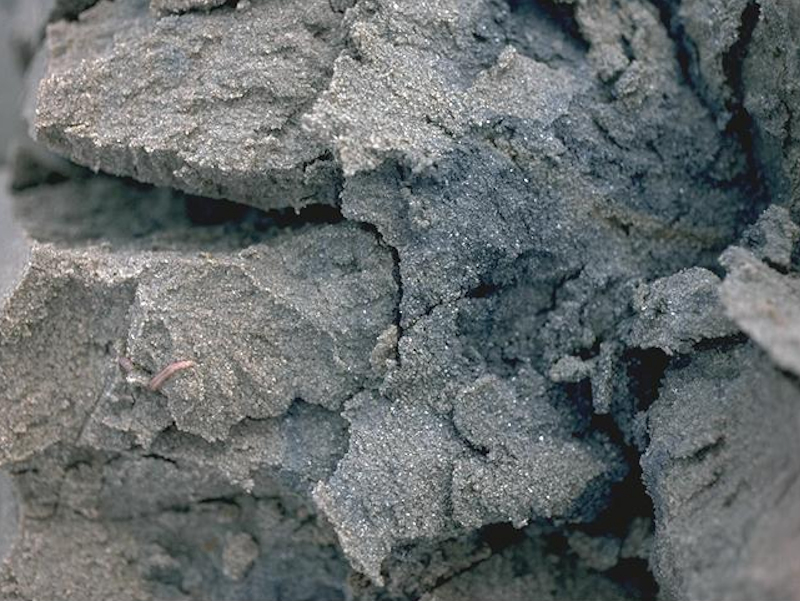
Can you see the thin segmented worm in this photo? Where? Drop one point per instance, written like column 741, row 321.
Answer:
column 165, row 374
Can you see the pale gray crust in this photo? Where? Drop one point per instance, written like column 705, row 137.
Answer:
column 236, row 135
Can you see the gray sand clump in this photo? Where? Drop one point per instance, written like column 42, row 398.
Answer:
column 207, row 103
column 456, row 300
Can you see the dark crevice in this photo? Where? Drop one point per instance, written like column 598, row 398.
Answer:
column 732, row 65
column 314, row 214
column 628, row 501
column 484, row 290
column 782, row 269
column 398, row 278
column 724, row 344
column 709, row 450
column 202, row 211
column 341, row 6
column 231, row 501
column 205, row 211
column 443, row 580
column 590, row 352
column 635, row 577
column 122, row 212
column 157, row 457
column 558, row 13
column 739, row 126
column 577, row 399
column 556, row 544
column 31, row 172
column 792, row 377
column 70, row 11
column 502, row 280
column 502, row 536
column 560, row 284
column 685, row 49
column 476, row 449
column 645, row 370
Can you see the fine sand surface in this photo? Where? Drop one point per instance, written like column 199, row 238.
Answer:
column 393, row 300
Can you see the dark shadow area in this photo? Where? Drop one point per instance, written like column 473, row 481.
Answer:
column 558, row 14
column 645, row 370
column 124, row 213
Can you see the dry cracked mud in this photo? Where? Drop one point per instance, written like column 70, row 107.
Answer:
column 400, row 300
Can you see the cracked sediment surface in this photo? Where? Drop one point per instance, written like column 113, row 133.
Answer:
column 476, row 299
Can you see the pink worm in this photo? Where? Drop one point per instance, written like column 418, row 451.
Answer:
column 166, row 373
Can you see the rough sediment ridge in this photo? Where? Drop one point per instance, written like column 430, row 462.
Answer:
column 205, row 103
column 471, row 337
column 742, row 59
